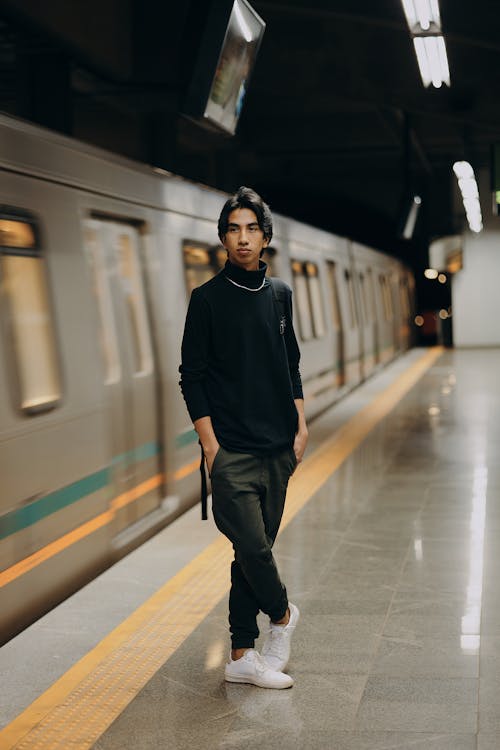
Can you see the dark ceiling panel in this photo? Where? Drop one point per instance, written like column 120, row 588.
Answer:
column 98, row 32
column 336, row 129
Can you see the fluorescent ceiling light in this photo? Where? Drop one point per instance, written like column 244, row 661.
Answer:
column 410, row 12
column 424, row 22
column 470, row 194
column 432, row 60
column 411, row 219
column 468, row 187
column 421, row 15
column 463, row 169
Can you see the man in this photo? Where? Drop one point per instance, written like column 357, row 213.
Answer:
column 242, row 387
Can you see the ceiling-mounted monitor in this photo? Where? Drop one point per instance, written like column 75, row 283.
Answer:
column 222, row 71
column 495, row 176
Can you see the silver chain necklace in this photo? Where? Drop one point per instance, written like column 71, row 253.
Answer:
column 248, row 288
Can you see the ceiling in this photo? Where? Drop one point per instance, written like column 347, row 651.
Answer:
column 336, row 130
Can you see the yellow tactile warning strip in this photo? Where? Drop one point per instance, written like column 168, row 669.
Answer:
column 318, row 467
column 82, row 704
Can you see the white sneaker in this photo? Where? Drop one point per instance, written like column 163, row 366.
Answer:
column 253, row 669
column 276, row 650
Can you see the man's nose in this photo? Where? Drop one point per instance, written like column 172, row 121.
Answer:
column 243, row 237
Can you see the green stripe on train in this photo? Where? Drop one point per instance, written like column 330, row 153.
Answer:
column 35, row 511
column 30, row 514
column 141, row 453
column 186, row 438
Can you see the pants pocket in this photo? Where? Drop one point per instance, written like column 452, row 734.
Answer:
column 215, row 461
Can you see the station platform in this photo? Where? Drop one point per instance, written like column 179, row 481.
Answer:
column 389, row 547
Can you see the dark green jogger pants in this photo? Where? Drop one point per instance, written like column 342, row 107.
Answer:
column 248, row 497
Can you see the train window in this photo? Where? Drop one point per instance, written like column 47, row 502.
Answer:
column 386, row 297
column 130, row 273
column 23, row 283
column 370, row 294
column 390, row 306
column 352, row 300
column 268, row 256
column 315, row 297
column 383, row 286
column 302, row 298
column 219, row 254
column 404, row 296
column 332, row 278
column 363, row 300
column 201, row 262
column 102, row 296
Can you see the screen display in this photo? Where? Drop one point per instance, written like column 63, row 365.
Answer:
column 236, row 60
column 495, row 173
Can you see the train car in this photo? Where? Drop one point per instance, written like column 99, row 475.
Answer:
column 98, row 256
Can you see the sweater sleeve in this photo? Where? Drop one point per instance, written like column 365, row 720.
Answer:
column 292, row 349
column 194, row 357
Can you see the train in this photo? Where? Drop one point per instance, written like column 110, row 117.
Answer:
column 98, row 257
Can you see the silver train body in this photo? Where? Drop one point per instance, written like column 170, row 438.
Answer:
column 97, row 259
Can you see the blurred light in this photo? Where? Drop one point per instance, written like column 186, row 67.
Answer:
column 443, row 314
column 470, row 194
column 468, row 187
column 215, row 655
column 419, row 321
column 433, row 411
column 431, row 273
column 463, row 169
column 417, row 545
column 470, row 643
column 442, row 278
column 471, row 620
column 446, row 390
column 412, row 218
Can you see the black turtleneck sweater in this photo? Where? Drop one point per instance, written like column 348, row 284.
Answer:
column 237, row 366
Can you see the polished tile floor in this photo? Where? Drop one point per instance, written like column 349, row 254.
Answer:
column 395, row 566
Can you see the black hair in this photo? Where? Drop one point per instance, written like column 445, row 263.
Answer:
column 246, row 198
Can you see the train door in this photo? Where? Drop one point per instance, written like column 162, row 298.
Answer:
column 373, row 314
column 338, row 327
column 394, row 285
column 385, row 317
column 369, row 318
column 407, row 295
column 113, row 250
column 352, row 338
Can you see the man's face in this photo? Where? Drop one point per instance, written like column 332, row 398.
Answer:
column 244, row 239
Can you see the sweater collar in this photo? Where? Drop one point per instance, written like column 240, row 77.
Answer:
column 250, row 279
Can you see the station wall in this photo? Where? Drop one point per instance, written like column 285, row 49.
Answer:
column 476, row 288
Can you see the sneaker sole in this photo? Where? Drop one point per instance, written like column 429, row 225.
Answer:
column 249, row 681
